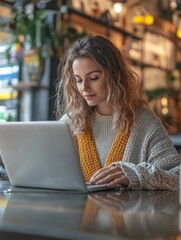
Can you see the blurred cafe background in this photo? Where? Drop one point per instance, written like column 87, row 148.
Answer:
column 34, row 35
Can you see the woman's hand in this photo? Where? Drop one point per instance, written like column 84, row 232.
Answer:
column 111, row 175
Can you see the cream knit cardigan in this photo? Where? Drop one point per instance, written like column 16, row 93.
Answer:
column 150, row 160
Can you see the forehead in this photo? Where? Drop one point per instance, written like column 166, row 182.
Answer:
column 85, row 65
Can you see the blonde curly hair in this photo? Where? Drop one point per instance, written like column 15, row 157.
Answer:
column 123, row 84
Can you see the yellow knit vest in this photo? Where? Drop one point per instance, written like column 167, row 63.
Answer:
column 89, row 159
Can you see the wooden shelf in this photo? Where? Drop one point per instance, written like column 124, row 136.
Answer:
column 87, row 19
column 146, row 65
column 21, row 86
column 80, row 18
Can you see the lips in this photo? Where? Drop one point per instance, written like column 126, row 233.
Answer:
column 89, row 97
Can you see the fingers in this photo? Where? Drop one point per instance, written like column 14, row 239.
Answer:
column 100, row 174
column 102, row 170
column 111, row 175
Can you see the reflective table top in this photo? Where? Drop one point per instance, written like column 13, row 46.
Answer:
column 99, row 215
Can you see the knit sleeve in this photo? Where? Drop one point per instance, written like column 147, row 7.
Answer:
column 151, row 177
column 151, row 161
column 130, row 174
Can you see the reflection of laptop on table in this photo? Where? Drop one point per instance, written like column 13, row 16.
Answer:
column 41, row 155
column 43, row 216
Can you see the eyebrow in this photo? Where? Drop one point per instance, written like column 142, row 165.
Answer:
column 94, row 71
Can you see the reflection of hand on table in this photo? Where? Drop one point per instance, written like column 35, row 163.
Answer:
column 105, row 209
column 113, row 200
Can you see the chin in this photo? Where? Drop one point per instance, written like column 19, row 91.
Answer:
column 91, row 103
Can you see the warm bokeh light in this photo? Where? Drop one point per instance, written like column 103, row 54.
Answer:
column 143, row 19
column 118, row 7
column 173, row 4
column 164, row 101
column 165, row 110
column 178, row 33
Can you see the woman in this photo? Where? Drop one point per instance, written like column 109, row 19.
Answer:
column 119, row 140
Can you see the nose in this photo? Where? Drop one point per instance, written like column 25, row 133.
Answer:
column 85, row 85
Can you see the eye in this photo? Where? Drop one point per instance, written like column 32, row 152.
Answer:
column 78, row 80
column 94, row 78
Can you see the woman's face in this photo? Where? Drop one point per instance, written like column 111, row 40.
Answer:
column 91, row 83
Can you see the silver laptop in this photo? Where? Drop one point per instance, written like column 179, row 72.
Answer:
column 42, row 155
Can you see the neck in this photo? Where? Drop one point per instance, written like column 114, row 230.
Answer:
column 104, row 111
